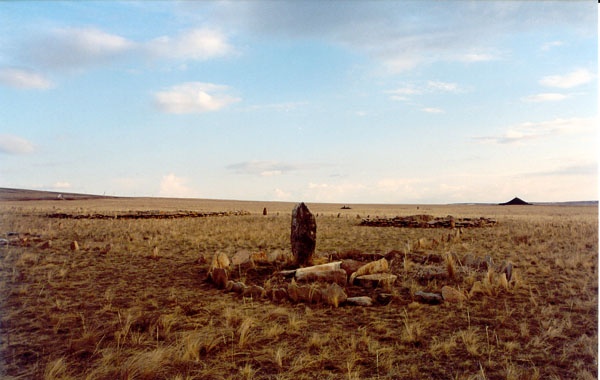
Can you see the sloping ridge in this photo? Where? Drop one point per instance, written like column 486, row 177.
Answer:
column 8, row 194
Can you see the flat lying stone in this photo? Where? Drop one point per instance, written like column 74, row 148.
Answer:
column 375, row 280
column 429, row 298
column 359, row 301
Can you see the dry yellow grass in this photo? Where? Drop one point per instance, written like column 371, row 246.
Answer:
column 132, row 302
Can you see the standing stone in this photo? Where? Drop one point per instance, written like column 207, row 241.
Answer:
column 265, row 211
column 304, row 234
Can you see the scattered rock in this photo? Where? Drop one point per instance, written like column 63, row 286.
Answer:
column 351, row 266
column 489, row 262
column 429, row 298
column 279, row 294
column 236, row 287
column 334, row 295
column 359, row 301
column 427, row 221
column 260, row 257
column 45, row 245
column 219, row 277
column 508, row 270
column 477, row 288
column 449, row 294
column 303, row 235
column 384, row 280
column 304, row 293
column 74, row 245
column 337, row 276
column 384, row 298
column 240, row 258
column 379, row 266
column 431, row 273
column 220, row 260
column 254, row 291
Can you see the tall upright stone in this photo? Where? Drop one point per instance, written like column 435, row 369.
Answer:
column 304, row 234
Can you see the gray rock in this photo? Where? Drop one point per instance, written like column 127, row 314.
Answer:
column 334, row 295
column 254, row 291
column 359, row 301
column 429, row 298
column 303, row 235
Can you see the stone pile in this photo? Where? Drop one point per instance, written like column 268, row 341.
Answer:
column 355, row 278
column 428, row 221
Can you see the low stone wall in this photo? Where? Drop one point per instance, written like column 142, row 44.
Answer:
column 428, row 221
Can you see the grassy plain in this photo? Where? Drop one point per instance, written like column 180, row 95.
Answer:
column 132, row 302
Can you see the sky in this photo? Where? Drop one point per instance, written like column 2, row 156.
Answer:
column 338, row 101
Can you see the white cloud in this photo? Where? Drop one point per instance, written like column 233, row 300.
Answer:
column 432, row 110
column 443, row 86
column 173, row 186
column 69, row 48
column 19, row 78
column 550, row 45
column 196, row 44
column 573, row 79
column 11, row 144
column 544, row 97
column 537, row 130
column 262, row 168
column 476, row 57
column 194, row 97
column 403, row 92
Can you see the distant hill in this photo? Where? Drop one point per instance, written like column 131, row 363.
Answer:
column 7, row 194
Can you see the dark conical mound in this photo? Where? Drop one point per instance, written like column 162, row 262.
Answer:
column 515, row 201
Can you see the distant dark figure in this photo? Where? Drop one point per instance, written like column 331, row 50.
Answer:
column 265, row 211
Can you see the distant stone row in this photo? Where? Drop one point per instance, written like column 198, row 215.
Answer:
column 428, row 221
column 150, row 215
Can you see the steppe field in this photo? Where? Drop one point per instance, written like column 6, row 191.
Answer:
column 88, row 294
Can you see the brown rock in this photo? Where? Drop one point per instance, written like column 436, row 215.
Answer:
column 508, row 270
column 220, row 260
column 449, row 294
column 74, row 245
column 45, row 245
column 359, row 301
column 254, row 291
column 383, row 280
column 279, row 295
column 303, row 235
column 334, row 295
column 337, row 276
column 351, row 266
column 304, row 293
column 236, row 287
column 260, row 257
column 379, row 266
column 219, row 277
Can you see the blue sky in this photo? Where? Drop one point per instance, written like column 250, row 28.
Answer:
column 350, row 102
